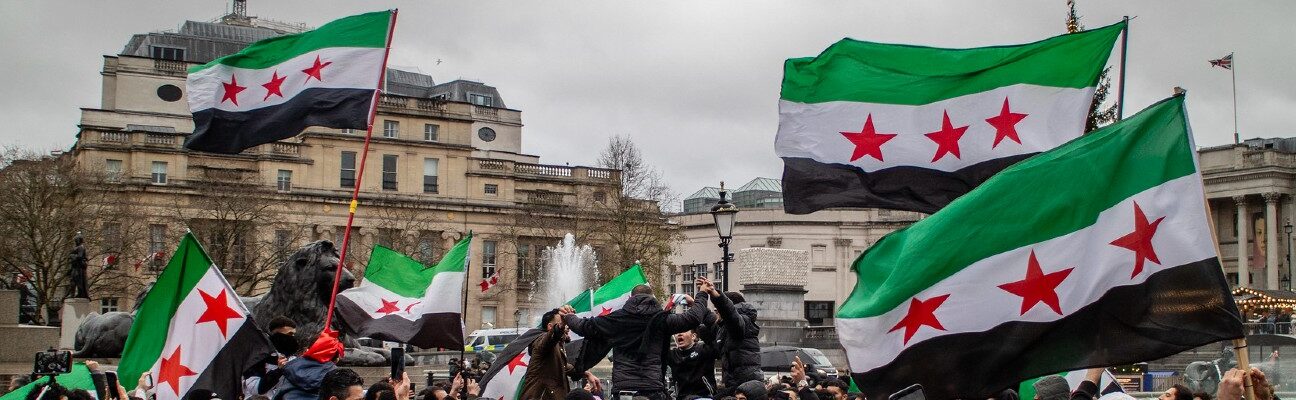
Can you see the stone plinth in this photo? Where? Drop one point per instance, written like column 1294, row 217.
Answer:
column 21, row 341
column 75, row 311
column 773, row 280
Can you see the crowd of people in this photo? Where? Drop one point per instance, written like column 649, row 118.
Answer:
column 1274, row 321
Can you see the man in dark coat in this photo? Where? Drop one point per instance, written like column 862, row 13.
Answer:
column 546, row 375
column 639, row 333
column 734, row 334
column 692, row 366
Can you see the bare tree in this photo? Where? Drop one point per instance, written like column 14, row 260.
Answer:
column 632, row 221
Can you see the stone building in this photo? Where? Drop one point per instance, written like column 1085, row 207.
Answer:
column 831, row 238
column 1249, row 187
column 446, row 159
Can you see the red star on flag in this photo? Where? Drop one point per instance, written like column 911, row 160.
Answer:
column 921, row 312
column 388, row 307
column 272, row 87
column 1038, row 287
column 314, row 70
column 170, row 371
column 232, row 90
column 947, row 139
column 1005, row 124
column 867, row 141
column 606, row 311
column 516, row 362
column 1140, row 240
column 218, row 310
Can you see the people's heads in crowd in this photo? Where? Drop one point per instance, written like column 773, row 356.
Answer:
column 48, row 391
column 1176, row 392
column 283, row 335
column 579, row 394
column 19, row 381
column 685, row 339
column 341, row 384
column 1201, row 396
column 1006, row 394
column 259, row 397
column 1052, row 387
column 735, row 297
column 376, row 390
column 641, row 289
column 835, row 388
column 80, row 394
column 750, row 390
column 550, row 319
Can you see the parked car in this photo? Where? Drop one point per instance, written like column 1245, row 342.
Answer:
column 777, row 360
column 491, row 339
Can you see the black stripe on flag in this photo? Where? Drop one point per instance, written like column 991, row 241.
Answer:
column 230, row 132
column 810, row 186
column 428, row 331
column 1175, row 310
column 224, row 376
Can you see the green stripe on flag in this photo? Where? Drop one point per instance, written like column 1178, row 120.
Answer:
column 407, row 277
column 620, row 285
column 79, row 378
column 1030, row 202
column 853, row 70
column 364, row 30
column 153, row 316
column 581, row 303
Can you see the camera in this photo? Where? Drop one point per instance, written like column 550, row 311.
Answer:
column 52, row 362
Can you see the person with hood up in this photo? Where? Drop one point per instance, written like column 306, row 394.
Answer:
column 639, row 334
column 303, row 375
column 735, row 335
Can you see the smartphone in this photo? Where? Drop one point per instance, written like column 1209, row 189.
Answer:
column 914, row 392
column 413, row 388
column 111, row 377
column 397, row 363
column 52, row 362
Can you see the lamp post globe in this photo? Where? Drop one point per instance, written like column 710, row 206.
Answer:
column 725, row 215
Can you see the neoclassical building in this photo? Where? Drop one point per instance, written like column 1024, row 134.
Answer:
column 446, row 159
column 1249, row 187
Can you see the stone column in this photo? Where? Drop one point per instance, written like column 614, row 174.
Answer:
column 1271, row 239
column 1244, row 270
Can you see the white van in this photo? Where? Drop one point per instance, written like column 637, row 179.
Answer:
column 491, row 339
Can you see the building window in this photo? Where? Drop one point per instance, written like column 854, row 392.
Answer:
column 167, row 53
column 389, row 172
column 488, row 258
column 688, row 277
column 600, row 196
column 391, row 129
column 481, row 100
column 819, row 312
column 427, row 247
column 718, row 278
column 107, row 305
column 818, row 255
column 285, row 180
column 157, row 245
column 240, row 249
column 528, row 263
column 112, row 239
column 488, row 317
column 430, row 132
column 348, row 131
column 113, row 170
column 491, row 189
column 159, row 172
column 387, row 237
column 430, row 175
column 348, row 172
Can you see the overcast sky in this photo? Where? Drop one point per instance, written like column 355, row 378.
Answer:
column 694, row 83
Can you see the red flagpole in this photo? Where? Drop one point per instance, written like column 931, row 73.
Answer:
column 355, row 192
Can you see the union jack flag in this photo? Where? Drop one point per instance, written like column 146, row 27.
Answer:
column 1226, row 62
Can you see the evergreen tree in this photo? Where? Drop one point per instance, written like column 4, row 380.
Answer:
column 1098, row 116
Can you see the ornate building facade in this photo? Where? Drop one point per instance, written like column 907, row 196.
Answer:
column 1249, row 187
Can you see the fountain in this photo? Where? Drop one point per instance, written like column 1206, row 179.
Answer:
column 565, row 273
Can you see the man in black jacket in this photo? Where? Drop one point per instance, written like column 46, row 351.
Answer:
column 734, row 334
column 692, row 366
column 639, row 333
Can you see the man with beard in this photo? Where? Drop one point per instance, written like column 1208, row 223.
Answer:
column 546, row 375
column 638, row 333
column 262, row 377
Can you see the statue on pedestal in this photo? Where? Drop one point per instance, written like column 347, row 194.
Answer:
column 78, row 260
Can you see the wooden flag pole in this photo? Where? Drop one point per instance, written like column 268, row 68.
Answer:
column 364, row 155
column 1240, row 344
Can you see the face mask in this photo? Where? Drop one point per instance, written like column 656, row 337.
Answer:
column 284, row 343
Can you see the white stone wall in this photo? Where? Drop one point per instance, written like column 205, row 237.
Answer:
column 772, row 266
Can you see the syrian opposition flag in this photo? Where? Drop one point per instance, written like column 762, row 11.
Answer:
column 584, row 354
column 191, row 331
column 912, row 128
column 403, row 301
column 504, row 379
column 277, row 87
column 1096, row 253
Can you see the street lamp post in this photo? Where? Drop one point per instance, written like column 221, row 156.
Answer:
column 724, row 213
column 1288, row 228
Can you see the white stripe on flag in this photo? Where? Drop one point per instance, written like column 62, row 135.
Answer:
column 442, row 296
column 350, row 68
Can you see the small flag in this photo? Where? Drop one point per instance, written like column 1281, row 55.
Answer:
column 912, row 128
column 1097, row 253
column 1108, row 384
column 1225, row 62
column 490, row 282
column 403, row 301
column 110, row 260
column 676, row 298
column 277, row 87
column 191, row 331
column 504, row 379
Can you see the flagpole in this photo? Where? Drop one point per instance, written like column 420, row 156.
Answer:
column 364, row 155
column 1233, row 69
column 1120, row 91
column 463, row 313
